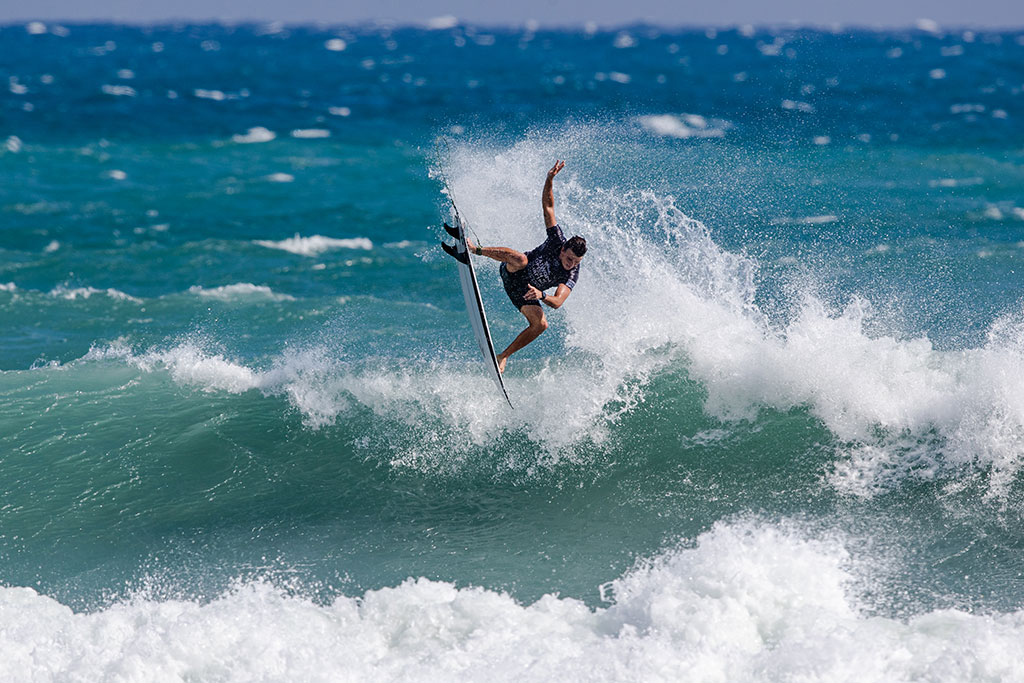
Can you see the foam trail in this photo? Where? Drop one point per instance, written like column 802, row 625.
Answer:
column 750, row 602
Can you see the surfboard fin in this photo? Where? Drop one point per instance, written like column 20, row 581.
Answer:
column 460, row 256
column 454, row 232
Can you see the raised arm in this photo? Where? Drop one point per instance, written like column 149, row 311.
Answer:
column 547, row 197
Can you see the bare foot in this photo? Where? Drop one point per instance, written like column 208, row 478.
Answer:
column 501, row 364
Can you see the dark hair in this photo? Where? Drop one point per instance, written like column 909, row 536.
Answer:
column 577, row 244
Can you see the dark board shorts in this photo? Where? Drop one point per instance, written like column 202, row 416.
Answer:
column 515, row 286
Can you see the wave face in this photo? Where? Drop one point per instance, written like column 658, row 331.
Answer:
column 775, row 432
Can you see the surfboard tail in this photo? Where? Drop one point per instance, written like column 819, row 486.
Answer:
column 460, row 256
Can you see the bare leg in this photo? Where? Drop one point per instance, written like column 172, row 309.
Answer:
column 538, row 323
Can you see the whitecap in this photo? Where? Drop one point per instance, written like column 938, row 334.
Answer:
column 119, row 90
column 281, row 178
column 624, row 40
column 795, row 105
column 311, row 133
column 955, row 182
column 806, row 220
column 254, row 135
column 217, row 95
column 966, row 108
column 335, row 45
column 241, row 290
column 76, row 293
column 317, row 244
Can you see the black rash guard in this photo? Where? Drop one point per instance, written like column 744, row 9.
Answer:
column 543, row 270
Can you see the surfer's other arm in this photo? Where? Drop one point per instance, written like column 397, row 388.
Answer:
column 547, row 197
column 554, row 301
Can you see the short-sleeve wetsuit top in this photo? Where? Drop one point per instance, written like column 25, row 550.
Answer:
column 543, row 270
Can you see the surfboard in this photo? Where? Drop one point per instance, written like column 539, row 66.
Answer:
column 474, row 303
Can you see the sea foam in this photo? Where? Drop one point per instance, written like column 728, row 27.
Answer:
column 750, row 601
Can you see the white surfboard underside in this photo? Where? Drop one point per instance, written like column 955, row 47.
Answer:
column 475, row 308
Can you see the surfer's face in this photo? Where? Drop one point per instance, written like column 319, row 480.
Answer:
column 569, row 259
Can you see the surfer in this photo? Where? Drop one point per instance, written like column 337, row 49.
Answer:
column 555, row 263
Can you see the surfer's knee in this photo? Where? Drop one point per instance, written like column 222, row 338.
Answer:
column 539, row 324
column 516, row 261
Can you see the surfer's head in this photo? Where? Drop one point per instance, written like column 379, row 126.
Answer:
column 572, row 252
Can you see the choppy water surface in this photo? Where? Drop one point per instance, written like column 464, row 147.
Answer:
column 775, row 432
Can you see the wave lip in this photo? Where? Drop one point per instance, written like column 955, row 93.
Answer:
column 316, row 244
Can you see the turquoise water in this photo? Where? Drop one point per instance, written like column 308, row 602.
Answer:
column 774, row 432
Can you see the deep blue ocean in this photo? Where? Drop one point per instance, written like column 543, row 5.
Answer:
column 775, row 433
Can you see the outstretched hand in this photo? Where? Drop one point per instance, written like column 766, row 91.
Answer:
column 559, row 165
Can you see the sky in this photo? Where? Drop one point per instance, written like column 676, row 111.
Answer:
column 952, row 13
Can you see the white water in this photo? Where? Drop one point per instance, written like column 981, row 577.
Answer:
column 750, row 602
column 656, row 288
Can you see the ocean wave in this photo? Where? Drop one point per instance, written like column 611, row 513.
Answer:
column 71, row 294
column 315, row 245
column 240, row 290
column 899, row 409
column 749, row 602
column 680, row 298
